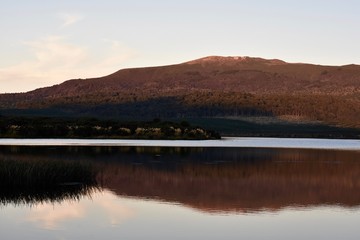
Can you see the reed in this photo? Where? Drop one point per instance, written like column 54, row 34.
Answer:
column 32, row 181
column 22, row 173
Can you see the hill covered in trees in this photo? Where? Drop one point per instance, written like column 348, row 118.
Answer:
column 210, row 87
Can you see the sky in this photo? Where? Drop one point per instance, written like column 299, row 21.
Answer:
column 44, row 43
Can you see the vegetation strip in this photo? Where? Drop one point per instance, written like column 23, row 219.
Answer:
column 21, row 127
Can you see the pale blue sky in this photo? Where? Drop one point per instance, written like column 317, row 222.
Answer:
column 47, row 42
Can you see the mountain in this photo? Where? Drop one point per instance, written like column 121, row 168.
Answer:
column 207, row 87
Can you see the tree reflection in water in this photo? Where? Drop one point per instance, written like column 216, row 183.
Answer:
column 243, row 180
column 216, row 179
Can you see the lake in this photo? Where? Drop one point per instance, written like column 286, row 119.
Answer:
column 240, row 189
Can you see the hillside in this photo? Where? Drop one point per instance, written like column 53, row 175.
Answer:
column 207, row 87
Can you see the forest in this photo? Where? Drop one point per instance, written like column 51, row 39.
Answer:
column 340, row 110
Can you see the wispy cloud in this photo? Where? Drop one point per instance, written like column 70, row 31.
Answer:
column 70, row 19
column 116, row 53
column 50, row 218
column 116, row 212
column 55, row 59
column 55, row 50
column 52, row 59
column 54, row 216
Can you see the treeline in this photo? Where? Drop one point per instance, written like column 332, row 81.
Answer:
column 246, row 128
column 331, row 109
column 40, row 127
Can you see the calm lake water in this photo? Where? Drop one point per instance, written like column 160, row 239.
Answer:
column 190, row 193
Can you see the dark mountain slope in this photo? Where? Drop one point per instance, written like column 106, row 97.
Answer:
column 211, row 86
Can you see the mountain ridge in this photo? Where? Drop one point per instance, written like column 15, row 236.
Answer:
column 212, row 86
column 246, row 62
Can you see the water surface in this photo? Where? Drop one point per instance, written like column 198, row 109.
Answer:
column 193, row 193
column 303, row 143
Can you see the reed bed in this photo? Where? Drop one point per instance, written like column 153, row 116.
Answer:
column 31, row 181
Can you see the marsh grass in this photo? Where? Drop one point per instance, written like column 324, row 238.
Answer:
column 32, row 196
column 31, row 181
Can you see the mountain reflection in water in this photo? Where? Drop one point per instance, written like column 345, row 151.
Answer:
column 218, row 179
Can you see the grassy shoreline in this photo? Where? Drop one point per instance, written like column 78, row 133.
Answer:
column 171, row 129
column 89, row 128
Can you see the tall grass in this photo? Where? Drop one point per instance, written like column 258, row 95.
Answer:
column 30, row 181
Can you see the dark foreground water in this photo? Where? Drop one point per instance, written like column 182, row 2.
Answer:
column 186, row 193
